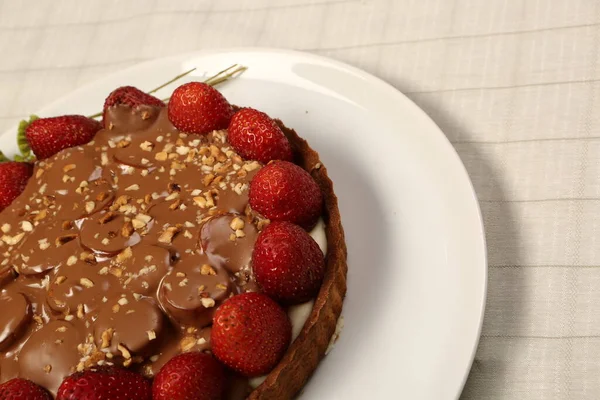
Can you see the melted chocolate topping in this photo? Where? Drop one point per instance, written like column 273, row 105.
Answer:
column 119, row 251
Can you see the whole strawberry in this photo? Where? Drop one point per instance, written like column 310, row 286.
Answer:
column 13, row 179
column 288, row 263
column 196, row 107
column 23, row 389
column 106, row 382
column 255, row 136
column 250, row 333
column 129, row 96
column 282, row 191
column 48, row 136
column 192, row 375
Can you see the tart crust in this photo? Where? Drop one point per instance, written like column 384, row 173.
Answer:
column 305, row 353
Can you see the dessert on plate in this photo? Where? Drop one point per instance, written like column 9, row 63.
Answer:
column 182, row 250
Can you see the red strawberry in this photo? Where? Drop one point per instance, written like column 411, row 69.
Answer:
column 22, row 389
column 13, row 179
column 196, row 107
column 255, row 136
column 106, row 382
column 288, row 263
column 48, row 136
column 282, row 191
column 192, row 375
column 250, row 333
column 129, row 96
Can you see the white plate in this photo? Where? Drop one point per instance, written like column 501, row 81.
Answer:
column 417, row 259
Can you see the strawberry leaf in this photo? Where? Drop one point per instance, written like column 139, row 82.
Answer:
column 22, row 139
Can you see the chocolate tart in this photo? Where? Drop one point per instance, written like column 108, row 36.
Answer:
column 101, row 252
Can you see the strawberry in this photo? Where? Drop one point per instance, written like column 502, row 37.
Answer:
column 250, row 333
column 13, row 179
column 129, row 96
column 105, row 382
column 196, row 107
column 23, row 389
column 288, row 263
column 255, row 136
column 192, row 375
column 48, row 136
column 282, row 191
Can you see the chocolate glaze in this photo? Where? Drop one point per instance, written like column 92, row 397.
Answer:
column 120, row 250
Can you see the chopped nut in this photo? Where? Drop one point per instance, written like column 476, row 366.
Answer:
column 12, row 240
column 121, row 201
column 127, row 229
column 61, row 329
column 137, row 224
column 187, row 343
column 232, row 237
column 41, row 215
column 88, row 258
column 5, row 228
column 133, row 187
column 172, row 196
column 208, row 179
column 64, row 239
column 71, row 260
column 169, row 234
column 161, row 156
column 101, row 196
column 44, row 244
column 123, row 301
column 183, row 282
column 206, row 269
column 207, row 302
column 175, row 205
column 116, row 308
column 147, row 146
column 89, row 206
column 106, row 338
column 86, row 282
column 80, row 313
column 200, row 201
column 124, row 255
column 237, row 223
column 47, row 368
column 27, row 226
column 69, row 167
column 182, row 150
column 239, row 233
column 123, row 143
column 60, row 279
column 151, row 334
column 126, row 354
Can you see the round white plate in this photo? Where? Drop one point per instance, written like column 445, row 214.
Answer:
column 417, row 259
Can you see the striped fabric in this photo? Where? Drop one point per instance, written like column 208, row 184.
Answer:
column 514, row 84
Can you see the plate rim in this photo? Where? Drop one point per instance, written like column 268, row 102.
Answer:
column 389, row 88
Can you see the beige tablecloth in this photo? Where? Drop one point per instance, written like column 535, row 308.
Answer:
column 514, row 84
